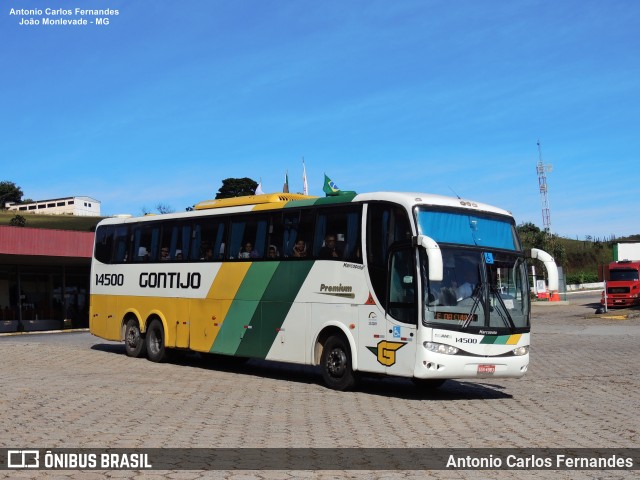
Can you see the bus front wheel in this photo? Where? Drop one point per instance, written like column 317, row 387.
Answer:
column 336, row 364
column 156, row 351
column 134, row 342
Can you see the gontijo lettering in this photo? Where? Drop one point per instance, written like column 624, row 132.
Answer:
column 170, row 280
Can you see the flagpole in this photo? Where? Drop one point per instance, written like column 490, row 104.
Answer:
column 305, row 186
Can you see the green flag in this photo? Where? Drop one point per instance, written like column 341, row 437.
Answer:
column 330, row 188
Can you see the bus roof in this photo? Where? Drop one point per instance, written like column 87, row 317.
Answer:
column 274, row 201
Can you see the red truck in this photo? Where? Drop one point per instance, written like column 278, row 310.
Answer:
column 623, row 283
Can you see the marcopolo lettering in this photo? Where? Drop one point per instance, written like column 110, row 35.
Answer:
column 170, row 280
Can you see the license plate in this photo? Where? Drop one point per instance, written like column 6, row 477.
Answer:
column 618, row 301
column 486, row 369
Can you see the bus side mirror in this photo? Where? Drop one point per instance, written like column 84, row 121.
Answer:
column 436, row 267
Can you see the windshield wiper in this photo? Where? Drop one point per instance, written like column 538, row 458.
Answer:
column 476, row 301
column 506, row 318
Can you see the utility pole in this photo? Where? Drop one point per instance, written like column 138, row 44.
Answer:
column 542, row 170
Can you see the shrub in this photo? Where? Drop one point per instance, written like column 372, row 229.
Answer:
column 18, row 221
column 581, row 277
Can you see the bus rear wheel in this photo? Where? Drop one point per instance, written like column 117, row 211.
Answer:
column 337, row 372
column 134, row 342
column 156, row 351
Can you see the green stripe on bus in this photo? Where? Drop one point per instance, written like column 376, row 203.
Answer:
column 321, row 201
column 242, row 309
column 300, row 203
column 274, row 308
column 496, row 339
column 346, row 198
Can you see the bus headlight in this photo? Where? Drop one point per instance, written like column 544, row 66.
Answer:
column 440, row 348
column 518, row 352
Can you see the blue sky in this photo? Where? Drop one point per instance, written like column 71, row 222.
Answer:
column 171, row 98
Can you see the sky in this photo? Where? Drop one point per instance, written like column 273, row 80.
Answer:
column 446, row 97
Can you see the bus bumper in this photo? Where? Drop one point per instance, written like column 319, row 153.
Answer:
column 436, row 365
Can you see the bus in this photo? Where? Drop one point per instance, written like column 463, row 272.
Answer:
column 413, row 285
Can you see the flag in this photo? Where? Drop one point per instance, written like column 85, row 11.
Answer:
column 285, row 188
column 305, row 187
column 259, row 188
column 330, row 188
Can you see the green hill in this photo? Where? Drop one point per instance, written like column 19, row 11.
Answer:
column 580, row 259
column 57, row 222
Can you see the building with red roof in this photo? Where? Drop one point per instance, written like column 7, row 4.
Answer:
column 44, row 278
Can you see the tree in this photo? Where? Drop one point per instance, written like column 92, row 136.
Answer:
column 237, row 187
column 18, row 221
column 164, row 208
column 9, row 192
column 532, row 237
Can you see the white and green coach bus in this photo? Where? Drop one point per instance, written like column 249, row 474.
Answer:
column 406, row 284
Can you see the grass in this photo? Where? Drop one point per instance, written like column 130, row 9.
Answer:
column 56, row 222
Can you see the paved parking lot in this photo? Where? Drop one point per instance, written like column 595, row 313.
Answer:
column 75, row 390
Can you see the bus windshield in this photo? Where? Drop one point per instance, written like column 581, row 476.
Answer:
column 463, row 228
column 479, row 292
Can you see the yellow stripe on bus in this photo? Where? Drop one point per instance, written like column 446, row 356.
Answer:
column 514, row 339
column 228, row 280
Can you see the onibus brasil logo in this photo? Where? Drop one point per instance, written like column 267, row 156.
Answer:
column 386, row 352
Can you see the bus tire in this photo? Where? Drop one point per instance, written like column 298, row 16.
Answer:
column 428, row 384
column 156, row 351
column 134, row 341
column 337, row 371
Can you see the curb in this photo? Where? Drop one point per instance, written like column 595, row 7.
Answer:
column 42, row 332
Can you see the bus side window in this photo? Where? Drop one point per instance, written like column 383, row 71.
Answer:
column 274, row 236
column 402, row 286
column 121, row 241
column 343, row 225
column 206, row 239
column 387, row 224
column 146, row 241
column 296, row 226
column 104, row 243
column 248, row 230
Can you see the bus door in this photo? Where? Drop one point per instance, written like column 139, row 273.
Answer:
column 398, row 352
column 371, row 337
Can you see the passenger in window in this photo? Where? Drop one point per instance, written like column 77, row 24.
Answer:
column 272, row 252
column 329, row 250
column 164, row 254
column 460, row 279
column 299, row 249
column 143, row 254
column 178, row 255
column 208, row 255
column 469, row 279
column 248, row 251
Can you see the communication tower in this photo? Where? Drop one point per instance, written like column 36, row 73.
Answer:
column 542, row 182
